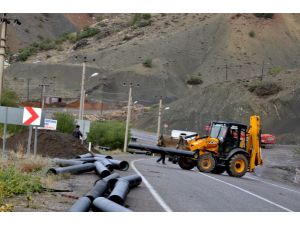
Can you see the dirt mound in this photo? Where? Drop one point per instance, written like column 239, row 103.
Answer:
column 265, row 89
column 50, row 143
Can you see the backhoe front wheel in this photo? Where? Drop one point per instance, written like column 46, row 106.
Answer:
column 206, row 163
column 238, row 166
column 186, row 163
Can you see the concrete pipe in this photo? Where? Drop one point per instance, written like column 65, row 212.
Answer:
column 87, row 155
column 102, row 204
column 66, row 162
column 83, row 204
column 75, row 169
column 119, row 165
column 100, row 187
column 101, row 170
column 120, row 191
column 167, row 151
column 107, row 163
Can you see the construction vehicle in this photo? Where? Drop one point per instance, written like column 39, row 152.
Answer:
column 226, row 148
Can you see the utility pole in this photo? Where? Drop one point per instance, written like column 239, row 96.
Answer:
column 82, row 91
column 28, row 88
column 128, row 114
column 2, row 51
column 4, row 21
column 226, row 71
column 262, row 70
column 102, row 83
column 159, row 118
column 80, row 116
column 43, row 94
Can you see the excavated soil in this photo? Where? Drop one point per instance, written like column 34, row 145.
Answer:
column 50, row 144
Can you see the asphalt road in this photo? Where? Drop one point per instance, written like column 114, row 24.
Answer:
column 174, row 189
column 169, row 188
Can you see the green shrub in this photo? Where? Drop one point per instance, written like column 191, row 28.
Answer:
column 14, row 182
column 274, row 71
column 194, row 80
column 65, row 122
column 108, row 133
column 252, row 34
column 25, row 53
column 141, row 20
column 87, row 32
column 46, row 44
column 9, row 98
column 147, row 63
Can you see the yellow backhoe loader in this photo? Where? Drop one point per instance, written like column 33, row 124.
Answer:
column 230, row 147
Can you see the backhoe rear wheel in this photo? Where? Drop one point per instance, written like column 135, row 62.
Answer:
column 238, row 166
column 206, row 163
column 186, row 163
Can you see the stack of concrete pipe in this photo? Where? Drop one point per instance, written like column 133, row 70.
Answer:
column 110, row 192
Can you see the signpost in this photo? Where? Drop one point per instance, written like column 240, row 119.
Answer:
column 27, row 116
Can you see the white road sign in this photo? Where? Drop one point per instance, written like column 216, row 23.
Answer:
column 32, row 116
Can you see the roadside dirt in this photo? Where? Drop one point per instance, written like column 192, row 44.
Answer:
column 50, row 144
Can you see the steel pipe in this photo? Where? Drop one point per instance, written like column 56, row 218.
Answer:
column 85, row 155
column 103, row 156
column 134, row 181
column 107, row 163
column 66, row 162
column 87, row 159
column 83, row 204
column 101, row 187
column 102, row 204
column 75, row 169
column 119, row 165
column 120, row 191
column 167, row 151
column 101, row 170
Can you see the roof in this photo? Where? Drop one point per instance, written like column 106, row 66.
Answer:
column 231, row 124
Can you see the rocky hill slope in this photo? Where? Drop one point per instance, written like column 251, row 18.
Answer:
column 206, row 66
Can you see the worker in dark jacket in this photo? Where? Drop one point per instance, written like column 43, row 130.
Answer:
column 77, row 133
column 163, row 154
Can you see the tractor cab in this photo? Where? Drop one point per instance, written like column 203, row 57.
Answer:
column 230, row 135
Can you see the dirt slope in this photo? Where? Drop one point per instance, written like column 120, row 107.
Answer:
column 181, row 45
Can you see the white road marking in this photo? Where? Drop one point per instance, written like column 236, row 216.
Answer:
column 248, row 192
column 154, row 193
column 275, row 185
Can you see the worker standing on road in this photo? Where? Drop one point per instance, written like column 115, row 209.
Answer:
column 77, row 133
column 163, row 154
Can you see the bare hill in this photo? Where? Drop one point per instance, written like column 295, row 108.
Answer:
column 225, row 52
